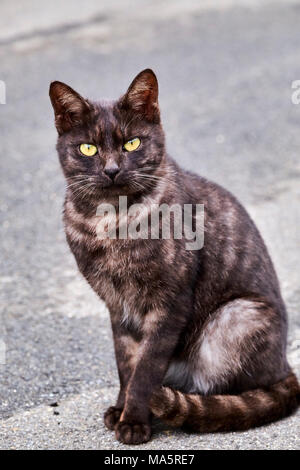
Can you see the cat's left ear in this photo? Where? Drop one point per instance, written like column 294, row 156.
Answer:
column 142, row 95
column 70, row 108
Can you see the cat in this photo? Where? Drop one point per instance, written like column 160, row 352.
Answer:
column 199, row 335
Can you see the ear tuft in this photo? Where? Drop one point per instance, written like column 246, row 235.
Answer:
column 142, row 95
column 69, row 107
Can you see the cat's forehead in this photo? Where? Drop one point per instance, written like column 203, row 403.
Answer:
column 105, row 121
column 105, row 112
column 110, row 119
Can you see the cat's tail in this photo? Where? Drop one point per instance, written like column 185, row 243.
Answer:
column 227, row 412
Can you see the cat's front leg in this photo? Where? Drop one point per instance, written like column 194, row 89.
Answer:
column 126, row 353
column 161, row 333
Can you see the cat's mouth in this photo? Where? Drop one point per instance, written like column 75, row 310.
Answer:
column 97, row 186
column 113, row 182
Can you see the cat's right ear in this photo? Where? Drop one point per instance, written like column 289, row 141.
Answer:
column 69, row 107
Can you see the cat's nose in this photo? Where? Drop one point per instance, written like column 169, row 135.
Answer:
column 111, row 170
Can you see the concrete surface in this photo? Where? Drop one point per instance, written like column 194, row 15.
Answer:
column 225, row 70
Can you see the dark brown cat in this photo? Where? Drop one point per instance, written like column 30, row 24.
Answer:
column 210, row 324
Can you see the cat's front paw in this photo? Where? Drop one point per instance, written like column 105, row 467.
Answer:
column 133, row 432
column 112, row 417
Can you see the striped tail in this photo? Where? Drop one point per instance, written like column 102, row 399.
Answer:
column 227, row 412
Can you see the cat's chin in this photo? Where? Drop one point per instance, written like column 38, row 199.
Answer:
column 114, row 190
column 118, row 190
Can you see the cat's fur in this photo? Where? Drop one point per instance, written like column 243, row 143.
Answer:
column 210, row 325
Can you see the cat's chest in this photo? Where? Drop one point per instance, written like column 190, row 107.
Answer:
column 122, row 272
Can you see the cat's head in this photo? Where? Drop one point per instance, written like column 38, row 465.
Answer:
column 110, row 148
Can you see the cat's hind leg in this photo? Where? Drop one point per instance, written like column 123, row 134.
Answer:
column 236, row 375
column 242, row 345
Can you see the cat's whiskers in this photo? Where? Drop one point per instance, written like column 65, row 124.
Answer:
column 149, row 179
column 169, row 173
column 79, row 180
column 82, row 194
column 72, row 185
column 136, row 185
column 145, row 175
column 83, row 189
column 80, row 176
column 83, row 185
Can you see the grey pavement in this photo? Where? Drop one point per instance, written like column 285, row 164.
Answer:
column 225, row 70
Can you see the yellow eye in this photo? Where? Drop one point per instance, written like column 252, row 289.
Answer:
column 132, row 144
column 88, row 150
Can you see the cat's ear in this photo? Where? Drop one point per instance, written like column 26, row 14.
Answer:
column 142, row 95
column 70, row 108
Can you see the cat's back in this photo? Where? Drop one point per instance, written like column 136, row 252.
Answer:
column 234, row 257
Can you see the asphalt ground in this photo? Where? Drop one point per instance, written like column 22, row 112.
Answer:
column 225, row 71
